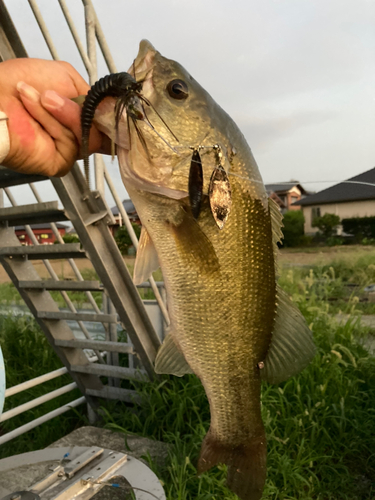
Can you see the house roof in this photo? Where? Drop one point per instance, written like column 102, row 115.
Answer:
column 276, row 198
column 284, row 187
column 128, row 205
column 44, row 225
column 354, row 189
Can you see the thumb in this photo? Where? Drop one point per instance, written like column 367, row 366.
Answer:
column 68, row 113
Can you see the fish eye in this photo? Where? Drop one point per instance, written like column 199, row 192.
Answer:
column 178, row 89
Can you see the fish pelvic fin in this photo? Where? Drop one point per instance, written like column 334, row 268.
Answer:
column 246, row 463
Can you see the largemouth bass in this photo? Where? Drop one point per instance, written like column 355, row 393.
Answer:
column 230, row 323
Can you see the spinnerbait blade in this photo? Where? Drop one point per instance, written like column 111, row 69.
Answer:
column 219, row 191
column 195, row 184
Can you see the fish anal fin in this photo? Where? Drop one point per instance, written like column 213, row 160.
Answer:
column 246, row 464
column 292, row 347
column 170, row 360
column 146, row 261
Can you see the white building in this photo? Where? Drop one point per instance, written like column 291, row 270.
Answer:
column 352, row 198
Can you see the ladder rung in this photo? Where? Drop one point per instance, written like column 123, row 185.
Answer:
column 10, row 178
column 32, row 214
column 97, row 318
column 97, row 344
column 117, row 393
column 111, row 371
column 72, row 286
column 37, row 252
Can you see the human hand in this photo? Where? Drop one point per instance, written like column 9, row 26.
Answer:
column 44, row 124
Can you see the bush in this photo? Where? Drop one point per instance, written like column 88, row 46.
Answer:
column 368, row 241
column 327, row 224
column 293, row 229
column 333, row 241
column 359, row 227
column 123, row 239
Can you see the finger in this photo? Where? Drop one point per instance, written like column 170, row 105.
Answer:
column 68, row 113
column 31, row 100
column 54, row 140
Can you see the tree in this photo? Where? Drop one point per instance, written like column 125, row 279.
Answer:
column 293, row 229
column 327, row 224
column 123, row 239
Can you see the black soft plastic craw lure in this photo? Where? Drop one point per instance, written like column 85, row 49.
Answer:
column 128, row 92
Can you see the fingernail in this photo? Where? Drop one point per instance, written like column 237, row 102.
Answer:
column 51, row 100
column 28, row 92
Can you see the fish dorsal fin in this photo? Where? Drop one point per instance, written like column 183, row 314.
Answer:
column 170, row 359
column 276, row 220
column 146, row 261
column 292, row 347
column 277, row 234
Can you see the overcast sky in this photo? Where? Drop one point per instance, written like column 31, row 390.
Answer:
column 297, row 76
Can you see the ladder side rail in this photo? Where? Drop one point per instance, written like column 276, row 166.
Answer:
column 24, row 386
column 49, row 396
column 45, row 418
column 110, row 266
column 43, row 28
column 11, row 45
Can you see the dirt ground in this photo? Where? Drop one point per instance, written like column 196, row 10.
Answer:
column 63, row 269
column 287, row 257
column 324, row 255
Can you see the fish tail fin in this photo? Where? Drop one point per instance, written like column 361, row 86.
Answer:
column 246, row 464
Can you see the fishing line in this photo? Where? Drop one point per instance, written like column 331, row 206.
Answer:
column 182, row 148
column 293, row 183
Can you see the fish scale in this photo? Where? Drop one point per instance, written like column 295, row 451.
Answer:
column 225, row 336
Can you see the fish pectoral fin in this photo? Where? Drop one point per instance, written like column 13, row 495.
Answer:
column 146, row 261
column 170, row 360
column 246, row 463
column 292, row 347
